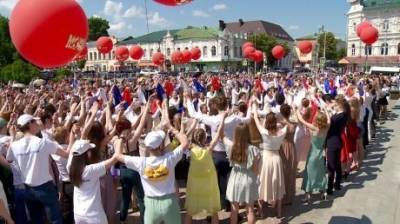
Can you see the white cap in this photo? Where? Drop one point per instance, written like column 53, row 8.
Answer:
column 81, row 146
column 154, row 139
column 25, row 119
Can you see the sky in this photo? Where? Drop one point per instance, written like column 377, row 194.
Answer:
column 297, row 17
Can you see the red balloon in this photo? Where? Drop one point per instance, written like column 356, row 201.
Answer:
column 187, row 56
column 121, row 53
column 278, row 52
column 48, row 33
column 82, row 55
column 247, row 44
column 177, row 57
column 258, row 56
column 196, row 53
column 158, row 58
column 305, row 47
column 361, row 26
column 136, row 52
column 369, row 35
column 104, row 45
column 173, row 2
column 248, row 51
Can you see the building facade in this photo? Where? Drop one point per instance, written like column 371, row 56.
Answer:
column 385, row 16
column 220, row 47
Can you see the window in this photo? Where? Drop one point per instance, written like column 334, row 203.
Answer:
column 353, row 49
column 368, row 50
column 151, row 52
column 144, row 52
column 355, row 27
column 109, row 56
column 384, row 49
column 168, row 51
column 235, row 52
column 240, row 52
column 104, row 68
column 90, row 56
column 178, row 49
column 205, row 51
column 213, row 51
column 398, row 49
column 226, row 51
column 386, row 25
column 186, row 48
column 113, row 54
column 95, row 56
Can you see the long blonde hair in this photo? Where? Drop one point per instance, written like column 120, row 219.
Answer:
column 241, row 140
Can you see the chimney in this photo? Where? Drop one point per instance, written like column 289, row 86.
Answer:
column 241, row 22
column 222, row 25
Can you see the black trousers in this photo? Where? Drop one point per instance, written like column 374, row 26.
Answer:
column 223, row 168
column 334, row 168
column 130, row 180
column 67, row 202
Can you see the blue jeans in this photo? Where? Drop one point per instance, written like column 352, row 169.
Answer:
column 20, row 206
column 130, row 179
column 43, row 200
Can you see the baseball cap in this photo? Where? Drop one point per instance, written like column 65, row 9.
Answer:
column 25, row 119
column 81, row 146
column 154, row 139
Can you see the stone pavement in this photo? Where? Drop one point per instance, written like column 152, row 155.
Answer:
column 369, row 196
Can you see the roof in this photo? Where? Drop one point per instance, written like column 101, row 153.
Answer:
column 374, row 4
column 189, row 33
column 374, row 60
column 258, row 27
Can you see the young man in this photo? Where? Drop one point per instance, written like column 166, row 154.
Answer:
column 31, row 155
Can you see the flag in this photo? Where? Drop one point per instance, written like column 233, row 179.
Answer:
column 126, row 95
column 160, row 91
column 117, row 98
column 326, row 86
column 198, row 86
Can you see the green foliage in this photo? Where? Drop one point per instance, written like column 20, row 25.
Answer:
column 331, row 42
column 341, row 53
column 97, row 27
column 81, row 64
column 20, row 71
column 8, row 53
column 62, row 73
column 265, row 43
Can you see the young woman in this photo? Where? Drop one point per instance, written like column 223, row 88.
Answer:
column 302, row 137
column 202, row 192
column 272, row 180
column 242, row 184
column 314, row 173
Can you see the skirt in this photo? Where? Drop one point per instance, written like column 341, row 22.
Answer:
column 272, row 180
column 289, row 161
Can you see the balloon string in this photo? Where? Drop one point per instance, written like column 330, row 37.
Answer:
column 147, row 17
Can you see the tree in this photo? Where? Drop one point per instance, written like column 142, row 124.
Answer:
column 97, row 27
column 62, row 73
column 8, row 53
column 20, row 71
column 265, row 43
column 331, row 42
column 81, row 64
column 341, row 53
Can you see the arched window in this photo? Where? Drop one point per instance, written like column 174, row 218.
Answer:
column 95, row 56
column 151, row 52
column 368, row 50
column 353, row 49
column 226, row 51
column 240, row 52
column 235, row 52
column 205, row 51
column 168, row 51
column 109, row 56
column 90, row 56
column 384, row 49
column 213, row 51
column 398, row 48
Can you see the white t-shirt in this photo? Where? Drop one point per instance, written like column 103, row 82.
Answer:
column 32, row 159
column 87, row 197
column 61, row 163
column 157, row 173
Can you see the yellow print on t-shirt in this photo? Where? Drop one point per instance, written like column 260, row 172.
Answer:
column 159, row 173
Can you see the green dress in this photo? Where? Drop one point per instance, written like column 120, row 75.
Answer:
column 314, row 174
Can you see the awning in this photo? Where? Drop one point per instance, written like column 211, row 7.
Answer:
column 343, row 61
column 385, row 69
column 374, row 60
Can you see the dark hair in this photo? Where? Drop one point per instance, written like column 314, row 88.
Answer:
column 242, row 107
column 241, row 141
column 280, row 98
column 271, row 123
column 198, row 137
column 49, row 108
column 285, row 111
column 78, row 164
column 96, row 136
column 46, row 116
column 121, row 125
column 24, row 128
column 221, row 102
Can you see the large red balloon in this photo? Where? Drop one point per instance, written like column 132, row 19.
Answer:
column 82, row 55
column 361, row 26
column 196, row 53
column 104, row 45
column 158, row 58
column 173, row 2
column 48, row 33
column 248, row 51
column 177, row 57
column 258, row 56
column 278, row 52
column 121, row 53
column 247, row 44
column 136, row 52
column 369, row 35
column 187, row 56
column 305, row 47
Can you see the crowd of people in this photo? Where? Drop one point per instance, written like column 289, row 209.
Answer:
column 84, row 150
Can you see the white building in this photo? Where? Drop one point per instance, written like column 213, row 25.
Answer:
column 385, row 16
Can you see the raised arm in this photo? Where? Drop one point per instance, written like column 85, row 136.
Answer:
column 135, row 135
column 90, row 120
column 308, row 125
column 219, row 133
column 257, row 121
